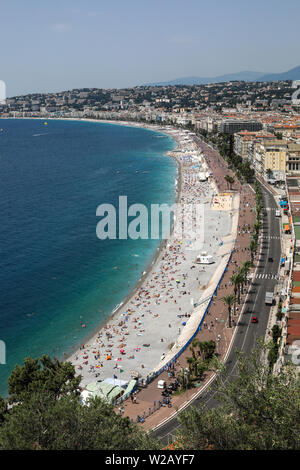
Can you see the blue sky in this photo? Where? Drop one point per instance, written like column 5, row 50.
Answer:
column 63, row 44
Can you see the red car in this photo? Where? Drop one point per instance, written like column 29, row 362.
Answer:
column 254, row 320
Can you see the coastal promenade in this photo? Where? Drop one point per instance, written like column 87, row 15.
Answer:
column 215, row 325
column 154, row 322
column 230, row 225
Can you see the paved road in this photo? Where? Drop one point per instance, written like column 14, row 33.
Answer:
column 247, row 332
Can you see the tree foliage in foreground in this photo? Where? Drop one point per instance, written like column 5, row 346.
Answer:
column 46, row 423
column 258, row 410
column 44, row 374
column 47, row 413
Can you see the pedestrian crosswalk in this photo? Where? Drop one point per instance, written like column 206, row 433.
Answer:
column 264, row 237
column 266, row 276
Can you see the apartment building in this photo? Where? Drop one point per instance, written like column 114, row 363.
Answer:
column 242, row 143
column 293, row 158
column 271, row 155
column 229, row 126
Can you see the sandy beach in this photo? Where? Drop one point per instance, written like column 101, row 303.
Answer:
column 141, row 333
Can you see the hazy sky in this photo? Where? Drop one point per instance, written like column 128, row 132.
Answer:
column 63, row 44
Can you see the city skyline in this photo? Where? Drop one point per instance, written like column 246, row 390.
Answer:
column 58, row 47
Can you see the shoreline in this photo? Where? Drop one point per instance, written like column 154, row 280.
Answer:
column 182, row 147
column 162, row 244
column 95, row 339
column 158, row 250
column 134, row 290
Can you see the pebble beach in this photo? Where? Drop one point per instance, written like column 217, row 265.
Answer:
column 138, row 336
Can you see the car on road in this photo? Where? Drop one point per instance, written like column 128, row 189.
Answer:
column 254, row 320
column 270, row 259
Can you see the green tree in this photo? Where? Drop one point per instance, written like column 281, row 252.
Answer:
column 48, row 413
column 56, row 377
column 43, row 422
column 192, row 363
column 257, row 410
column 229, row 300
column 243, row 272
column 236, row 280
column 207, row 349
column 276, row 333
column 201, row 368
column 3, row 410
column 230, row 180
column 193, row 346
column 257, row 226
column 253, row 248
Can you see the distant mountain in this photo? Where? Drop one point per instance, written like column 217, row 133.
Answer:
column 293, row 74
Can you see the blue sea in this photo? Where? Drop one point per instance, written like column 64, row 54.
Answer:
column 55, row 273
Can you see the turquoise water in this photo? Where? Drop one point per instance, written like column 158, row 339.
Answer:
column 55, row 273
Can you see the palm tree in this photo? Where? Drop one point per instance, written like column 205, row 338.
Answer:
column 244, row 271
column 230, row 180
column 253, row 248
column 192, row 362
column 183, row 378
column 258, row 208
column 229, row 300
column 257, row 226
column 201, row 368
column 226, row 178
column 236, row 280
column 194, row 345
column 269, row 172
column 246, row 266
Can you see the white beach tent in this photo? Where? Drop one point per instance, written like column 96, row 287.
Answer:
column 119, row 382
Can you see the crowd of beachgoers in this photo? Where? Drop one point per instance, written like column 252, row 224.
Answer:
column 144, row 329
